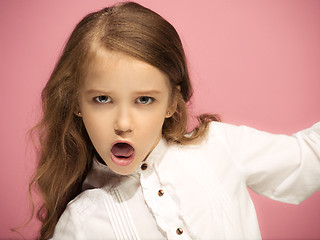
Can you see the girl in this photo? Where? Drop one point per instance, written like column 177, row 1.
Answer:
column 114, row 128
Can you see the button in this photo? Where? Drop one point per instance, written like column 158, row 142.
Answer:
column 160, row 193
column 144, row 166
column 179, row 231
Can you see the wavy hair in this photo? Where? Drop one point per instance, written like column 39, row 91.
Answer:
column 65, row 155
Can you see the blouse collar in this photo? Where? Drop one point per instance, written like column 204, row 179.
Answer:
column 154, row 158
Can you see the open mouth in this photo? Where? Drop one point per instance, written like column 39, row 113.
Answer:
column 122, row 153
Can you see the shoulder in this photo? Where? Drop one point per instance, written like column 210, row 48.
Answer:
column 223, row 129
column 215, row 148
column 217, row 132
column 213, row 139
column 82, row 214
column 232, row 134
column 85, row 202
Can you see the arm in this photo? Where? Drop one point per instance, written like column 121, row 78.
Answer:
column 284, row 168
column 68, row 226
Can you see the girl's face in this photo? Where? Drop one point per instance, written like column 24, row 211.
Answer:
column 123, row 103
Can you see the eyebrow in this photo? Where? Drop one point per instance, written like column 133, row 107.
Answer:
column 143, row 92
column 148, row 92
column 95, row 91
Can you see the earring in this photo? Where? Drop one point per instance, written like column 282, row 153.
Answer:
column 79, row 114
column 168, row 114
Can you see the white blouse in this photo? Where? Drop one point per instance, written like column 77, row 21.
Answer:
column 197, row 191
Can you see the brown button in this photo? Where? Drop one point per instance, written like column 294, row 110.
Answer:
column 160, row 193
column 144, row 166
column 179, row 231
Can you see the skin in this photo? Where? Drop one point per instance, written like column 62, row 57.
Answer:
column 124, row 99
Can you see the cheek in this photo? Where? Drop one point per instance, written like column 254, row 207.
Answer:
column 150, row 124
column 98, row 129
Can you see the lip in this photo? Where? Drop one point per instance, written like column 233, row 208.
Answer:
column 125, row 161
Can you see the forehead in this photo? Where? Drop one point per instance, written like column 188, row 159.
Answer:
column 111, row 68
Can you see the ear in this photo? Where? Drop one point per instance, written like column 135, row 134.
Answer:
column 172, row 108
column 77, row 113
column 77, row 110
column 174, row 103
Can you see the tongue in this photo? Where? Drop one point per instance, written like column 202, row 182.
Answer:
column 122, row 150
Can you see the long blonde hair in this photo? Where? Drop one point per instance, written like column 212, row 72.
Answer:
column 65, row 155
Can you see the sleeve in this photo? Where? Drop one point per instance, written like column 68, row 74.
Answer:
column 85, row 218
column 68, row 226
column 283, row 168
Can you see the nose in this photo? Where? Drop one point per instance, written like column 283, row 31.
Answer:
column 123, row 121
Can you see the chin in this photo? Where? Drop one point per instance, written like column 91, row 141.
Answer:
column 125, row 170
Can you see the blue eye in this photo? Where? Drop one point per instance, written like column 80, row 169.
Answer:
column 102, row 99
column 145, row 100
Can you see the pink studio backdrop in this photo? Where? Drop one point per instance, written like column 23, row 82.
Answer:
column 255, row 63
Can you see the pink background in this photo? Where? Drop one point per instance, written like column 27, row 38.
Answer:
column 255, row 63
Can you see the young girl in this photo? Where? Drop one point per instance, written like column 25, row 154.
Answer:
column 114, row 128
